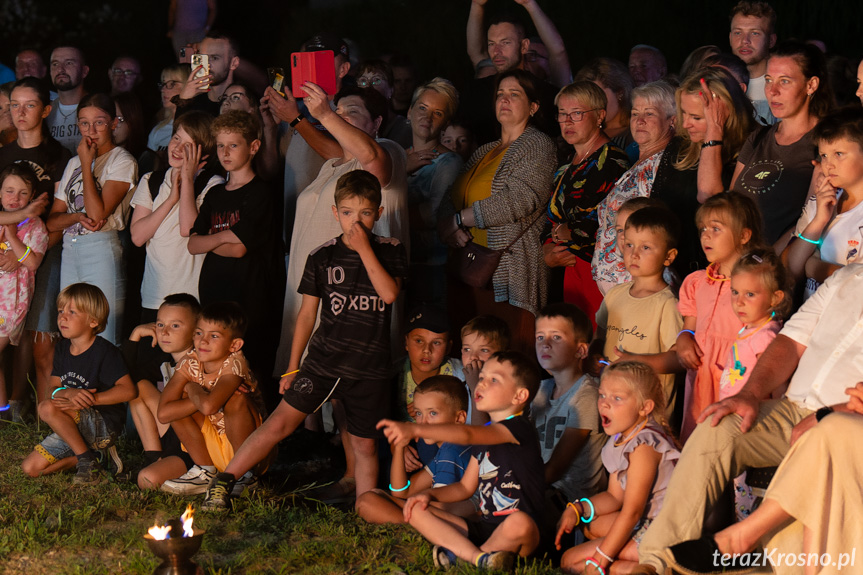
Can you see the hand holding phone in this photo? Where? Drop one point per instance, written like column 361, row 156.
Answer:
column 315, row 67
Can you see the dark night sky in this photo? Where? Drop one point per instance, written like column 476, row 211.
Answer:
column 431, row 31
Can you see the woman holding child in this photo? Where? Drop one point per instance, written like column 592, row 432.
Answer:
column 502, row 195
column 91, row 207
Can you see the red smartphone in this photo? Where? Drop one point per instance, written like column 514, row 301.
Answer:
column 316, row 67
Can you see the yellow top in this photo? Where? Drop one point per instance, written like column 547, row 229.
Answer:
column 475, row 185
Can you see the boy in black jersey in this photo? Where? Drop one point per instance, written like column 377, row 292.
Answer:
column 354, row 280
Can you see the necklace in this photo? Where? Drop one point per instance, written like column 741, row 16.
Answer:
column 618, row 442
column 756, row 330
column 590, row 148
column 66, row 116
column 714, row 278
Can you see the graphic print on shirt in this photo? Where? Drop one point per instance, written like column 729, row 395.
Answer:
column 222, row 221
column 760, row 177
column 498, row 496
column 75, row 200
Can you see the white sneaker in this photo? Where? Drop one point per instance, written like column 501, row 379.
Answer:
column 247, row 481
column 193, row 482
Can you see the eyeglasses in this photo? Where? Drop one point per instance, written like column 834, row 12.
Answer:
column 369, row 82
column 575, row 116
column 97, row 125
column 121, row 72
column 170, row 84
column 234, row 98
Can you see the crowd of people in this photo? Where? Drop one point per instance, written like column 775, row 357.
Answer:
column 651, row 278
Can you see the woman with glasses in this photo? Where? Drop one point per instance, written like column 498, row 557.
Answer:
column 569, row 234
column 91, row 207
column 378, row 74
column 172, row 82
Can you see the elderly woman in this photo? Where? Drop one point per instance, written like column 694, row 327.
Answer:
column 775, row 164
column 354, row 124
column 652, row 126
column 432, row 169
column 569, row 233
column 612, row 76
column 714, row 118
column 502, row 194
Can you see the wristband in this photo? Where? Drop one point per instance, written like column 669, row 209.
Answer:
column 689, row 331
column 592, row 561
column 25, row 256
column 711, row 143
column 822, row 413
column 592, row 510
column 394, row 490
column 577, row 512
column 604, row 555
column 53, row 393
column 5, row 407
column 297, row 120
column 458, row 220
column 816, row 243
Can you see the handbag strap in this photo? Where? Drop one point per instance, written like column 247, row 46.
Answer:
column 524, row 231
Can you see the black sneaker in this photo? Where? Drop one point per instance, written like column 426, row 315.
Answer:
column 443, row 558
column 89, row 472
column 218, row 497
column 499, row 560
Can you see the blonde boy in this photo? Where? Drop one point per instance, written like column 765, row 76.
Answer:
column 439, row 399
column 505, row 466
column 89, row 384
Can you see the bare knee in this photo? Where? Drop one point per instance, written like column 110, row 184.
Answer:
column 34, row 464
column 147, row 480
column 47, row 410
column 237, row 404
column 366, row 502
column 364, row 446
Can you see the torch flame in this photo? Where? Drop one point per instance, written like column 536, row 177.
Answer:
column 159, row 533
column 187, row 521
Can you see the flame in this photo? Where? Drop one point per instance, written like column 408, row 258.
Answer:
column 159, row 533
column 187, row 519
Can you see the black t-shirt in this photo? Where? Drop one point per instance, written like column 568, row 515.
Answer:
column 48, row 160
column 477, row 106
column 511, row 476
column 248, row 212
column 778, row 177
column 99, row 368
column 353, row 338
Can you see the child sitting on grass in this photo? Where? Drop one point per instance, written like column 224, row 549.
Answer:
column 639, row 456
column 564, row 411
column 439, row 399
column 638, row 320
column 353, row 280
column 505, row 465
column 173, row 332
column 481, row 337
column 89, row 384
column 202, row 406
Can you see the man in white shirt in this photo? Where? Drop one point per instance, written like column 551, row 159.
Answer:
column 68, row 70
column 821, row 350
column 752, row 35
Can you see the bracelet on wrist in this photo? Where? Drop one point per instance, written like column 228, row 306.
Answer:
column 711, row 143
column 25, row 256
column 822, row 413
column 604, row 555
column 592, row 510
column 297, row 120
column 592, row 561
column 689, row 331
column 53, row 393
column 394, row 490
column 577, row 512
column 816, row 243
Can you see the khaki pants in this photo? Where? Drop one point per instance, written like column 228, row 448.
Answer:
column 711, row 458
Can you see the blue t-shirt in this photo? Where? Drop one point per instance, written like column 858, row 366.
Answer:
column 449, row 464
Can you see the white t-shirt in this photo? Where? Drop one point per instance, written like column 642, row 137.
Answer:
column 755, row 93
column 842, row 237
column 160, row 136
column 169, row 267
column 118, row 165
column 62, row 123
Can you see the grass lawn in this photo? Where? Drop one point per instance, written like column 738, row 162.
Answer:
column 48, row 525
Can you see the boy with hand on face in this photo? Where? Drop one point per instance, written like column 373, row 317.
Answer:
column 89, row 384
column 440, row 399
column 481, row 337
column 564, row 410
column 505, row 466
column 354, row 280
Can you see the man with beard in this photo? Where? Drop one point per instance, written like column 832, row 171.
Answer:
column 68, row 70
column 203, row 93
column 753, row 34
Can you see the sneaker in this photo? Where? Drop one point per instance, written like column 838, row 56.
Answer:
column 193, row 482
column 218, row 496
column 88, row 473
column 106, row 453
column 247, row 481
column 443, row 558
column 498, row 560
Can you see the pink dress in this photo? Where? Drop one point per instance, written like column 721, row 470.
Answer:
column 716, row 326
column 16, row 288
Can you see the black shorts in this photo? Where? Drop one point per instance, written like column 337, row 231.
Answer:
column 479, row 531
column 366, row 401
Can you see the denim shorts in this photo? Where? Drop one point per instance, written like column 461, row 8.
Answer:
column 92, row 428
